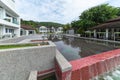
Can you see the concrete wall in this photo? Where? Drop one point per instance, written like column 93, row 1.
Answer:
column 16, row 64
column 63, row 67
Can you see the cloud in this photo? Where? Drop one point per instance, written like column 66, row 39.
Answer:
column 62, row 11
column 115, row 3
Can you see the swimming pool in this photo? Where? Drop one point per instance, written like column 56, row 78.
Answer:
column 76, row 48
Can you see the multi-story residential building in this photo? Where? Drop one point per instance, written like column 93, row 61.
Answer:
column 9, row 19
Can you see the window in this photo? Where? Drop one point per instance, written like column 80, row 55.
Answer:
column 11, row 31
column 15, row 20
column 6, row 30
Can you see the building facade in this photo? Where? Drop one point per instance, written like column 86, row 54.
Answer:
column 44, row 29
column 27, row 30
column 59, row 30
column 9, row 19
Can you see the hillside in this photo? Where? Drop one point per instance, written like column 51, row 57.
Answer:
column 35, row 24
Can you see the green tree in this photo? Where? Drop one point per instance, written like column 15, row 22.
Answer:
column 66, row 27
column 118, row 11
column 100, row 14
column 94, row 16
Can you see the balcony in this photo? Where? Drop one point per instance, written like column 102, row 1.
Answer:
column 9, row 22
column 9, row 19
column 12, row 20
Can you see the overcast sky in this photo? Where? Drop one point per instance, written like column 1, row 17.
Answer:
column 61, row 11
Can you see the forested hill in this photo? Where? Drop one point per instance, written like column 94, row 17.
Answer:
column 36, row 24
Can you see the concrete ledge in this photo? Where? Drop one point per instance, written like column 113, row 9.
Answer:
column 42, row 73
column 51, row 44
column 63, row 63
column 63, row 67
column 92, row 66
column 33, row 75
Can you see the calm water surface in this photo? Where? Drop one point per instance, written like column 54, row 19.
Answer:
column 75, row 48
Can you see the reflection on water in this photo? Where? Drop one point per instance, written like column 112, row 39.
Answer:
column 74, row 48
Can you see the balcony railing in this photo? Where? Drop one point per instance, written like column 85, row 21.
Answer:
column 12, row 20
column 9, row 19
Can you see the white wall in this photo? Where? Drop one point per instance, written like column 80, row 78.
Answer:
column 2, row 30
column 17, row 32
column 2, row 13
column 44, row 29
column 59, row 30
column 26, row 32
column 9, row 3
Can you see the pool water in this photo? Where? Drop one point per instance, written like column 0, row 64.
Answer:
column 76, row 48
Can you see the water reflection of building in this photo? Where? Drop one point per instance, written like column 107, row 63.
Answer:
column 55, row 37
column 86, row 48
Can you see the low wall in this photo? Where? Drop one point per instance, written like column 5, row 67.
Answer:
column 63, row 67
column 16, row 64
column 92, row 66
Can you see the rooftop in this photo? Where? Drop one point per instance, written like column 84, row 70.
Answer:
column 112, row 23
column 27, row 27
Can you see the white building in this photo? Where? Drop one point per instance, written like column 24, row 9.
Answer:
column 59, row 30
column 9, row 19
column 27, row 30
column 44, row 29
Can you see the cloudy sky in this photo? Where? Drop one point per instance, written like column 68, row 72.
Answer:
column 61, row 11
